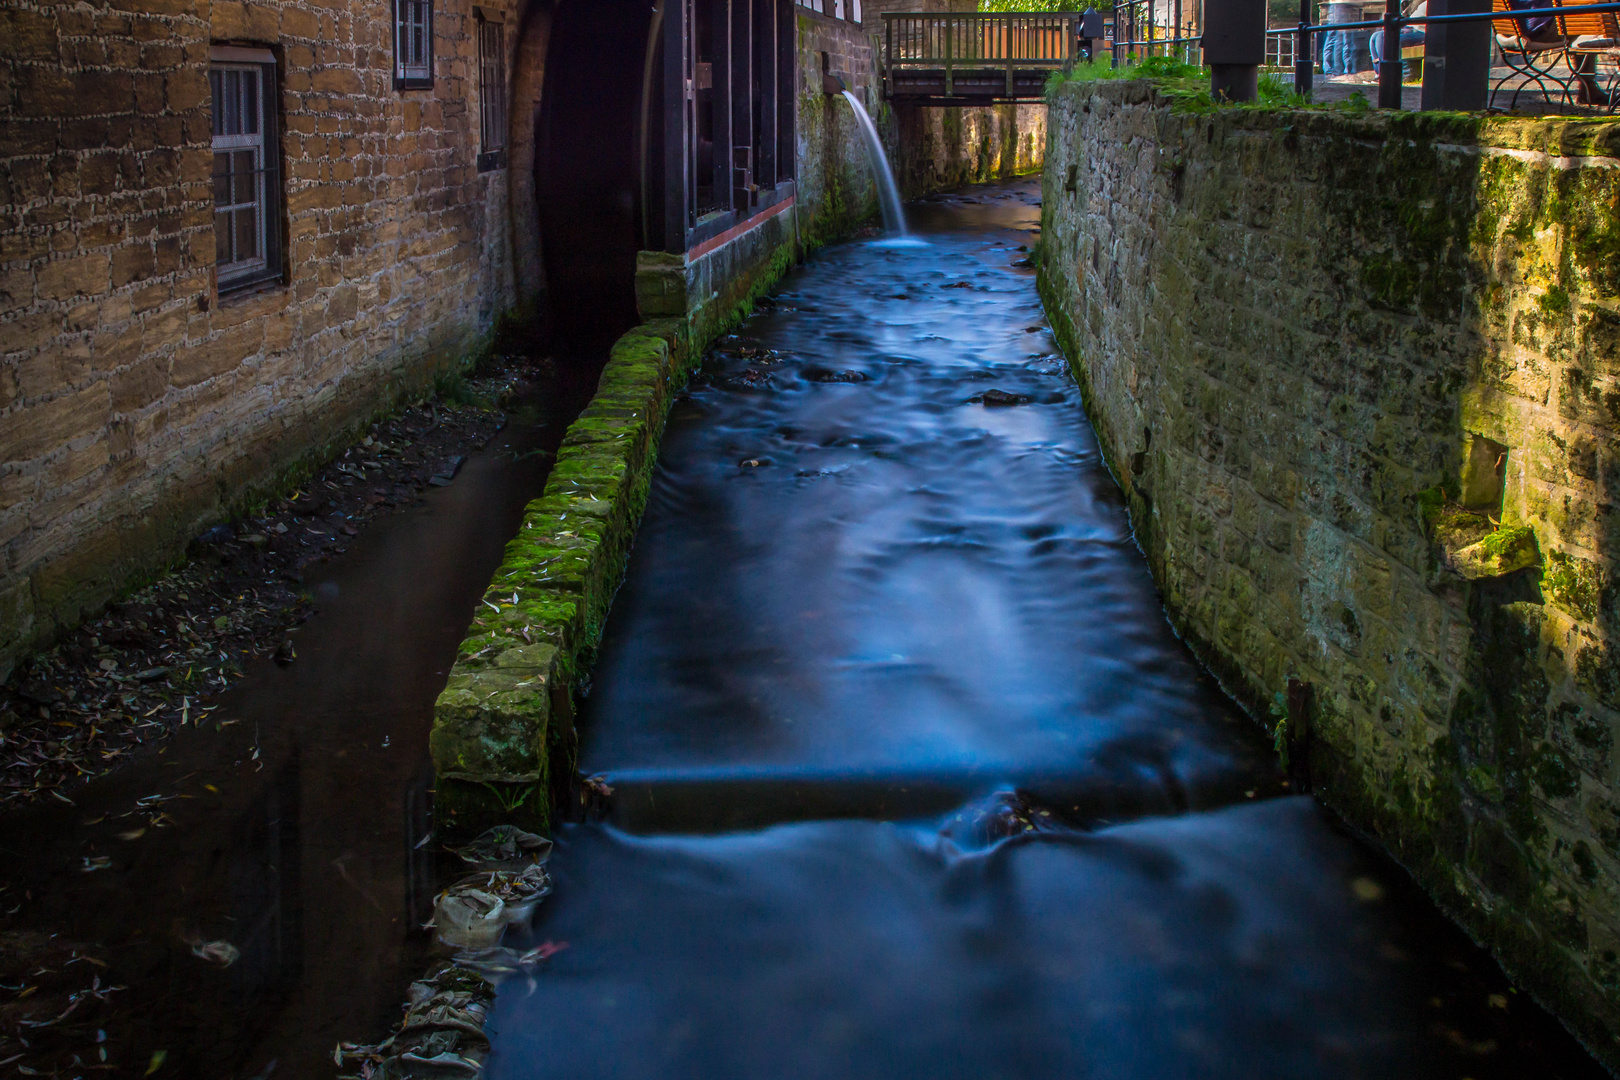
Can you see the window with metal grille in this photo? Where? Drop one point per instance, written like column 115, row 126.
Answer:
column 492, row 94
column 413, row 43
column 247, row 186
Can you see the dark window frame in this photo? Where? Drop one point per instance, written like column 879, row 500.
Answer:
column 405, row 79
column 492, row 97
column 270, row 198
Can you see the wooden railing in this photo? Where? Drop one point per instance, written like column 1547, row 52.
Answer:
column 979, row 41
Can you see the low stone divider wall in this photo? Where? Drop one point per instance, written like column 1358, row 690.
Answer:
column 503, row 737
column 1359, row 377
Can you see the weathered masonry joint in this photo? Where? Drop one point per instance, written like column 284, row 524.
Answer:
column 1356, row 377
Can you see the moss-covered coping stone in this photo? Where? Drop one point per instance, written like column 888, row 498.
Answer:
column 504, row 724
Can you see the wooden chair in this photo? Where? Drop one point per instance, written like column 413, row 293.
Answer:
column 1412, row 64
column 1598, row 37
column 1531, row 61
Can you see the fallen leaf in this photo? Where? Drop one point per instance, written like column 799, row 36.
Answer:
column 222, row 953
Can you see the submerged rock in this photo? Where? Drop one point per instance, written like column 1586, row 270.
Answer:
column 1000, row 399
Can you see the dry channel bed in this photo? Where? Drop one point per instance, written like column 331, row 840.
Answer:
column 150, row 664
column 154, row 660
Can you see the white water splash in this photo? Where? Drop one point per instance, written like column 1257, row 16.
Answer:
column 894, row 215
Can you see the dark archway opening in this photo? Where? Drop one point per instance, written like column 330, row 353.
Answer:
column 588, row 168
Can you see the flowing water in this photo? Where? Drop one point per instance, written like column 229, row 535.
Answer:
column 894, row 212
column 913, row 778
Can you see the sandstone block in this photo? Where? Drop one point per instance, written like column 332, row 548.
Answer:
column 28, row 433
column 132, row 262
column 29, row 35
column 206, row 359
column 298, row 23
column 16, row 289
column 186, row 90
column 333, row 80
column 28, row 136
column 63, row 279
column 76, row 464
column 139, row 385
column 43, row 91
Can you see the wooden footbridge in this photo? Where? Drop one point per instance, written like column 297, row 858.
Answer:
column 975, row 58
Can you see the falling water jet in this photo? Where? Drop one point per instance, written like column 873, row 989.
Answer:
column 894, row 215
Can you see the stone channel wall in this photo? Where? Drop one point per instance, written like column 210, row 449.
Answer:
column 1359, row 379
column 136, row 403
column 836, row 188
column 937, row 148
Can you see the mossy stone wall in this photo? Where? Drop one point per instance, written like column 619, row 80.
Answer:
column 1359, row 378
column 934, row 148
column 503, row 739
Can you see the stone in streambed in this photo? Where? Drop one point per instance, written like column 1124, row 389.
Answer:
column 999, row 399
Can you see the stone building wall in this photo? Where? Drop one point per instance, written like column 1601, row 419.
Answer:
column 1359, row 378
column 835, row 184
column 135, row 402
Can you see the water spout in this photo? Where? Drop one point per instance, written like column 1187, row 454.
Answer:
column 894, row 215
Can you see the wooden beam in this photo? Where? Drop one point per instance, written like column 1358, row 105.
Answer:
column 720, row 29
column 678, row 124
column 766, row 61
column 742, row 101
column 787, row 91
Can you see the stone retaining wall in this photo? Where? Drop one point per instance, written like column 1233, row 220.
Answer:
column 1359, row 378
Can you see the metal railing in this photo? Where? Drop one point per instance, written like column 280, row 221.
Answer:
column 1003, row 42
column 1281, row 48
column 1139, row 33
column 1389, row 70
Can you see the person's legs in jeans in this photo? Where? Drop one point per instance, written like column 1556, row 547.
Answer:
column 1359, row 58
column 1331, row 53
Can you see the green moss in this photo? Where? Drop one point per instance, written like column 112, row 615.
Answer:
column 1573, row 584
column 1555, row 774
column 1505, row 544
column 1430, row 504
column 503, row 725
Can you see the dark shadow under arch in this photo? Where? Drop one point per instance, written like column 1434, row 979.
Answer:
column 587, row 168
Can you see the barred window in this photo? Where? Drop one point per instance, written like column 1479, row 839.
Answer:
column 413, row 43
column 492, row 93
column 247, row 188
